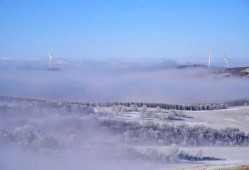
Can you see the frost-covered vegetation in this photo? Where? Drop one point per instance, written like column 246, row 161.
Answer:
column 27, row 137
column 151, row 133
column 75, row 105
column 108, row 133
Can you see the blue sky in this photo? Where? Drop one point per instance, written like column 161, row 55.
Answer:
column 171, row 29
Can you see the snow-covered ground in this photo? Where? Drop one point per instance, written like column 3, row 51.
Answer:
column 233, row 156
column 234, row 117
column 48, row 135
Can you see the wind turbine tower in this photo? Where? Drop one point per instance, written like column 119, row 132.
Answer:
column 226, row 60
column 209, row 56
column 49, row 60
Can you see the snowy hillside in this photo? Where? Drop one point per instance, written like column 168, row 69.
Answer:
column 44, row 134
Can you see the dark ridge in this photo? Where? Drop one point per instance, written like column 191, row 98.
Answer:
column 192, row 66
column 237, row 71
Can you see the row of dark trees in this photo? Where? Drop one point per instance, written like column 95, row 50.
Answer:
column 174, row 155
column 242, row 102
column 149, row 133
column 193, row 106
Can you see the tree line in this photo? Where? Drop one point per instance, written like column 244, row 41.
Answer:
column 192, row 106
column 152, row 133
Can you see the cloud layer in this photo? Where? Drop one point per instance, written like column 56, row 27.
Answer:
column 108, row 80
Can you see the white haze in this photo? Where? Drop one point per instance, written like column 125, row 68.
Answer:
column 101, row 81
column 44, row 138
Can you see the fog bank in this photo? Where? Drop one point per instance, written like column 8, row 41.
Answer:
column 102, row 81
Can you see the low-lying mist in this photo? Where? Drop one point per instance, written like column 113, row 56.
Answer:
column 102, row 81
column 42, row 136
column 55, row 135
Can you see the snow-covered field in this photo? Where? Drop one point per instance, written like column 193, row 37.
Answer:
column 233, row 117
column 236, row 117
column 58, row 135
column 233, row 156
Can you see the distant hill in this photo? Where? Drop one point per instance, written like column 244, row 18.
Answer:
column 236, row 71
column 191, row 66
column 220, row 72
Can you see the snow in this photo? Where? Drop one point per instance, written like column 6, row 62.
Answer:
column 47, row 138
column 246, row 70
column 196, row 123
column 233, row 117
column 233, row 156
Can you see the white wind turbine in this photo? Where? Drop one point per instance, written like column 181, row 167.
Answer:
column 50, row 60
column 226, row 60
column 209, row 56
